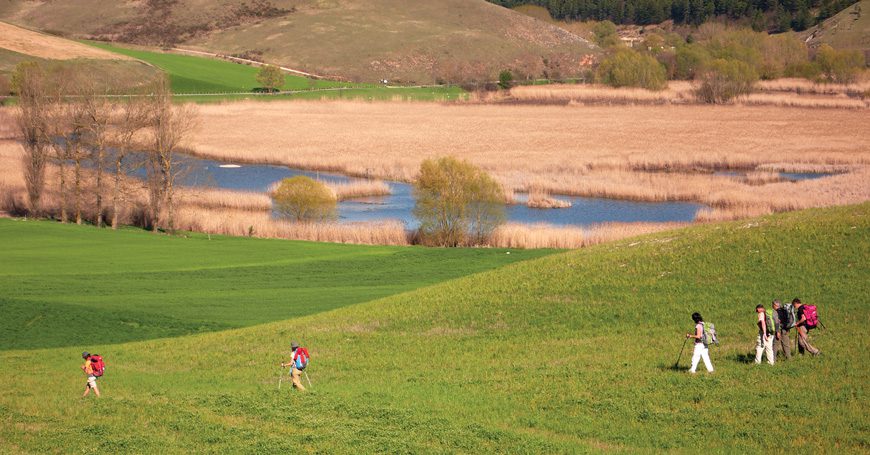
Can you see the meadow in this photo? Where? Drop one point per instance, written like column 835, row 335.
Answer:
column 564, row 354
column 202, row 79
column 132, row 285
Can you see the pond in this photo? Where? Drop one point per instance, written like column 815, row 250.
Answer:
column 400, row 204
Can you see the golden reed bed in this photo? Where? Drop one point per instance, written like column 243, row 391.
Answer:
column 645, row 153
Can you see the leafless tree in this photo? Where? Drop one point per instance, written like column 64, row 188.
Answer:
column 33, row 105
column 131, row 119
column 169, row 124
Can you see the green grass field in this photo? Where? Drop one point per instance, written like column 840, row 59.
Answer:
column 198, row 75
column 567, row 353
column 131, row 285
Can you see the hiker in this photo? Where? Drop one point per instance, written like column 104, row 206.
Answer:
column 803, row 325
column 701, row 351
column 782, row 319
column 766, row 330
column 93, row 369
column 298, row 361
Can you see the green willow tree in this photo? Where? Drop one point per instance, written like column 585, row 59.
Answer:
column 457, row 203
column 303, row 199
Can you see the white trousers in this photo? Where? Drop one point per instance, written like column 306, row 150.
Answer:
column 701, row 352
column 764, row 347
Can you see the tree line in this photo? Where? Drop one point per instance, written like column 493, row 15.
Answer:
column 770, row 15
column 81, row 143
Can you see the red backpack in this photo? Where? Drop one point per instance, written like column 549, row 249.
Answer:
column 812, row 316
column 301, row 358
column 97, row 365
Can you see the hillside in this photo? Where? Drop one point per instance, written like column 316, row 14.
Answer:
column 849, row 29
column 366, row 40
column 19, row 44
column 565, row 354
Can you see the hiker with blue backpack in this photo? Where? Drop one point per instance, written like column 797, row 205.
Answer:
column 766, row 332
column 703, row 336
column 807, row 319
column 298, row 361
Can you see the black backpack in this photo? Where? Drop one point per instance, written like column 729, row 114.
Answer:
column 787, row 317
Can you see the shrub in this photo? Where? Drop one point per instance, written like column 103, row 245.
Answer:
column 722, row 80
column 605, row 34
column 505, row 79
column 270, row 78
column 781, row 54
column 457, row 203
column 841, row 66
column 691, row 59
column 304, row 199
column 627, row 68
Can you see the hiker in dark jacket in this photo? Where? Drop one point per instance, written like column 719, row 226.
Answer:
column 801, row 324
column 782, row 341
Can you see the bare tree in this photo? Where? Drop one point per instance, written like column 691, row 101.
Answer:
column 129, row 121
column 169, row 125
column 30, row 81
column 96, row 111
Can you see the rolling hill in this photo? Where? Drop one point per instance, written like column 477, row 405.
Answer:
column 564, row 354
column 360, row 40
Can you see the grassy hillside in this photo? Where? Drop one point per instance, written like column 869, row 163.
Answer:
column 848, row 29
column 568, row 353
column 191, row 74
column 65, row 285
column 365, row 40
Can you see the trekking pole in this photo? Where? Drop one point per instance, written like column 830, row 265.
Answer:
column 307, row 378
column 280, row 377
column 681, row 352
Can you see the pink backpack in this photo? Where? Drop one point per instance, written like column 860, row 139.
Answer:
column 812, row 316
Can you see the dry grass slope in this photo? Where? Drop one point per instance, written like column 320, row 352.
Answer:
column 23, row 41
column 369, row 40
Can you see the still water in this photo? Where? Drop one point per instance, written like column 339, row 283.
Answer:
column 400, row 204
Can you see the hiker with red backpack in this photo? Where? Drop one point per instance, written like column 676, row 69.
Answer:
column 93, row 369
column 807, row 319
column 299, row 359
column 766, row 332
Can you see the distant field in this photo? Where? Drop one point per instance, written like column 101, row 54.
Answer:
column 191, row 74
column 133, row 285
column 570, row 353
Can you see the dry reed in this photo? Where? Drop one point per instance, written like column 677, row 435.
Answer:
column 760, row 178
column 514, row 235
column 540, row 198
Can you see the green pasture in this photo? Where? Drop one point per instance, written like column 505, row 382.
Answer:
column 568, row 353
column 64, row 285
column 198, row 75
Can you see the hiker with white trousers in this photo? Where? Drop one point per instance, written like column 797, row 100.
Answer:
column 766, row 331
column 701, row 351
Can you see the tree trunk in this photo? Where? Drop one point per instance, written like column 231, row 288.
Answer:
column 63, row 197
column 99, row 163
column 77, row 193
column 116, row 191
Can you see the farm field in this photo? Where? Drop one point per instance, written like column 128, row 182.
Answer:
column 132, row 285
column 642, row 153
column 200, row 75
column 567, row 353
